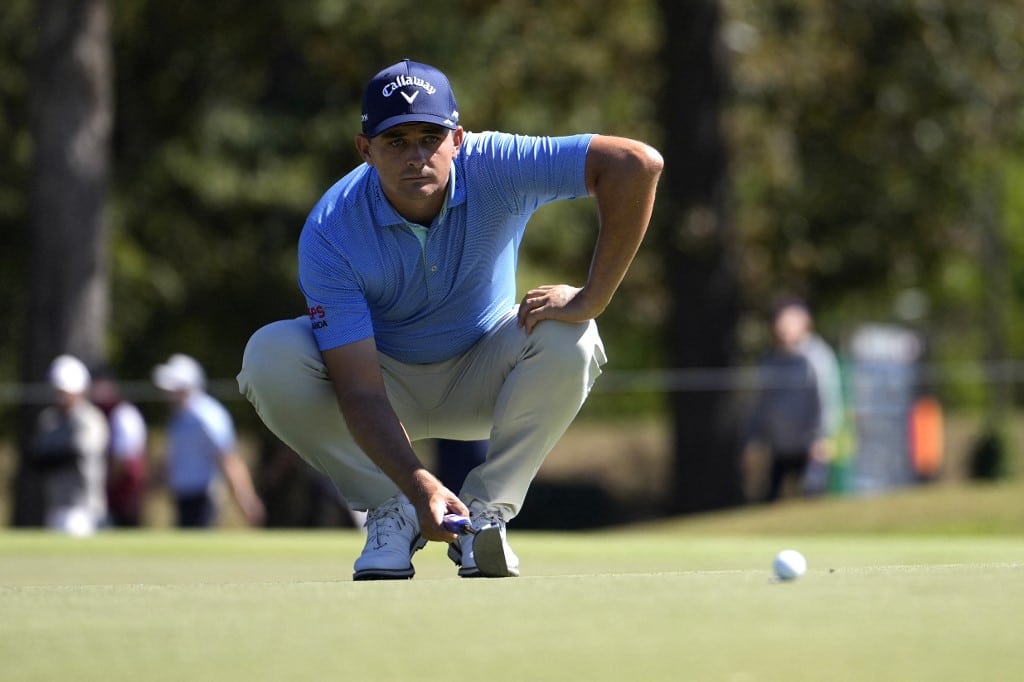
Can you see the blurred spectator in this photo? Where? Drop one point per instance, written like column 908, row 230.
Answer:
column 799, row 406
column 201, row 442
column 126, row 460
column 69, row 450
column 456, row 458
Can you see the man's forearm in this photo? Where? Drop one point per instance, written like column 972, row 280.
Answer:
column 377, row 430
column 624, row 184
column 379, row 433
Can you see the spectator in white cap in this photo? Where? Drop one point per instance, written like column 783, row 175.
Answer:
column 69, row 450
column 201, row 444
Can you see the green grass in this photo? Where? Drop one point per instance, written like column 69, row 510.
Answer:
column 933, row 593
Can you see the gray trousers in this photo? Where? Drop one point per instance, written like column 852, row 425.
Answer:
column 520, row 391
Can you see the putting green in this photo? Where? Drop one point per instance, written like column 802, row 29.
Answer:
column 633, row 604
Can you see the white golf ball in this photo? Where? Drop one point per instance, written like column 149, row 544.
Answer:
column 789, row 564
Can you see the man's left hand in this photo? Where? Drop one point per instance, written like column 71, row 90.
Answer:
column 552, row 302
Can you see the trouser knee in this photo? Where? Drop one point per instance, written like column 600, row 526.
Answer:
column 570, row 348
column 278, row 355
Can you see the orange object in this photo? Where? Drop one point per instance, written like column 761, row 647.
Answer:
column 926, row 437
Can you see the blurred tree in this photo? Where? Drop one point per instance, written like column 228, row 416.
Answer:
column 874, row 144
column 212, row 188
column 695, row 236
column 864, row 140
column 867, row 138
column 16, row 45
column 72, row 115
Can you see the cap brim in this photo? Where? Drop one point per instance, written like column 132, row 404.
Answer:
column 411, row 118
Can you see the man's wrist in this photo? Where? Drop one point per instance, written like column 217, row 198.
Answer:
column 420, row 485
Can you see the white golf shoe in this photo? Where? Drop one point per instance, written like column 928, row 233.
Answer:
column 392, row 537
column 484, row 553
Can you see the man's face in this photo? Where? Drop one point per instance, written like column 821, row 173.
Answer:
column 413, row 161
column 792, row 325
column 66, row 400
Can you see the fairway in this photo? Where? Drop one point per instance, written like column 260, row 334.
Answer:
column 650, row 604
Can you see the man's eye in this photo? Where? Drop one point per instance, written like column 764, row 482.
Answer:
column 431, row 139
column 397, row 142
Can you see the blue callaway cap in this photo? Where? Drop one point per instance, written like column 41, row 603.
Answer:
column 408, row 92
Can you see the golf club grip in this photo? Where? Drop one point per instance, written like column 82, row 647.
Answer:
column 453, row 523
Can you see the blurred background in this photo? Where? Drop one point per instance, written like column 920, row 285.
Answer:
column 865, row 155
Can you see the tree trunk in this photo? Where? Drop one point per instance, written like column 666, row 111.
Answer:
column 695, row 235
column 72, row 115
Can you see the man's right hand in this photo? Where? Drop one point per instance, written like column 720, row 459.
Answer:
column 432, row 501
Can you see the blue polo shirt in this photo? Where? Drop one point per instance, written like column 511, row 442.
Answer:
column 428, row 294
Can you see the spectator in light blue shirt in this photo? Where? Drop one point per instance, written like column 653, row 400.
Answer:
column 201, row 445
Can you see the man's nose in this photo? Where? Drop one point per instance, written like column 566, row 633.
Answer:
column 418, row 155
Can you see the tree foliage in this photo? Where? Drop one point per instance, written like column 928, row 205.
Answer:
column 233, row 118
column 865, row 136
column 865, row 140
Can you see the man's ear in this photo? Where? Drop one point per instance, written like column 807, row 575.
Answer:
column 363, row 147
